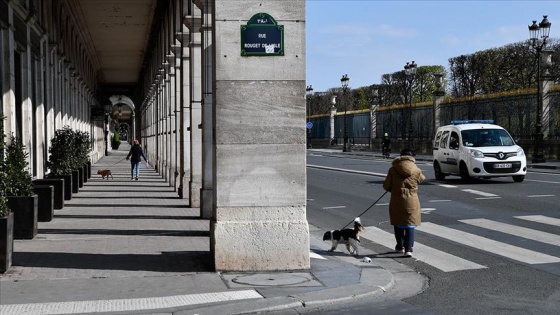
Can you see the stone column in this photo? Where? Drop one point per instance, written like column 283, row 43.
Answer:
column 193, row 22
column 547, row 82
column 259, row 221
column 207, row 191
column 331, row 122
column 8, row 78
column 172, row 121
column 185, row 120
column 49, row 94
column 373, row 125
column 27, row 99
column 40, row 135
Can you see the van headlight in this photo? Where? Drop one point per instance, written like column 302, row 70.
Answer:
column 520, row 152
column 476, row 153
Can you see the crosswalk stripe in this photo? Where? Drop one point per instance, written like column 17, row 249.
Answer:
column 485, row 244
column 540, row 219
column 531, row 234
column 438, row 259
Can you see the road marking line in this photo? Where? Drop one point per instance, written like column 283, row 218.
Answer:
column 123, row 305
column 335, row 207
column 542, row 181
column 447, row 186
column 540, row 219
column 478, row 192
column 523, row 232
column 427, row 210
column 442, row 200
column 485, row 198
column 315, row 255
column 485, row 244
column 538, row 196
column 436, row 258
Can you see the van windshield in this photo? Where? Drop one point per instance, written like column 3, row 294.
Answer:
column 486, row 138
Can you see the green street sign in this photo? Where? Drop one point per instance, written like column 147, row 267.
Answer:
column 262, row 36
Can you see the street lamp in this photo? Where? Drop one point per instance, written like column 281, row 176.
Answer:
column 308, row 93
column 541, row 30
column 410, row 72
column 344, row 80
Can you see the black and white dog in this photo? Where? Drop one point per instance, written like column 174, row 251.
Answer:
column 349, row 237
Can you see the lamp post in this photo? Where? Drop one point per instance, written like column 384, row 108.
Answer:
column 410, row 72
column 541, row 30
column 344, row 80
column 308, row 93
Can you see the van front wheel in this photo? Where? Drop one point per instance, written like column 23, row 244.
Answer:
column 464, row 173
column 518, row 178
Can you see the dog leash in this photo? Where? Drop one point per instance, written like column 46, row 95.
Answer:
column 118, row 162
column 373, row 204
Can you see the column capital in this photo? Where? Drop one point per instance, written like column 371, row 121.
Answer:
column 192, row 22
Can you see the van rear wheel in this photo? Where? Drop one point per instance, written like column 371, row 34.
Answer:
column 437, row 172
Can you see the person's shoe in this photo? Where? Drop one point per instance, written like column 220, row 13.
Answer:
column 132, row 178
column 136, row 178
column 408, row 254
column 401, row 250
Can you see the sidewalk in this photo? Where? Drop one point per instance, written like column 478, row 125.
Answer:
column 133, row 247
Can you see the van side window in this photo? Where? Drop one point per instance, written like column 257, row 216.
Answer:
column 436, row 141
column 444, row 137
column 454, row 141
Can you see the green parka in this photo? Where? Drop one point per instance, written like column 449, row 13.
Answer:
column 402, row 181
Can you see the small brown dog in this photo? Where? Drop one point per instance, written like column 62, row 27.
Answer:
column 105, row 173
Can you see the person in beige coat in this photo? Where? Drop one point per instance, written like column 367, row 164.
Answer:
column 404, row 207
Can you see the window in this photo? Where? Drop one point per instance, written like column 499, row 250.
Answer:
column 454, row 141
column 444, row 137
column 438, row 138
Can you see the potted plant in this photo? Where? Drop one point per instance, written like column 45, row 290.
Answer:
column 19, row 190
column 6, row 215
column 6, row 234
column 61, row 158
column 81, row 152
column 115, row 141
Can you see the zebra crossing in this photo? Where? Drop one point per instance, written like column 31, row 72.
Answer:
column 447, row 262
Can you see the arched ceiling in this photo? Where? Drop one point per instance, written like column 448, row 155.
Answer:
column 117, row 33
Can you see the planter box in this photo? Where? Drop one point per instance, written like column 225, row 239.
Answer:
column 75, row 181
column 45, row 205
column 58, row 190
column 81, row 177
column 6, row 242
column 67, row 184
column 89, row 169
column 25, row 216
column 86, row 175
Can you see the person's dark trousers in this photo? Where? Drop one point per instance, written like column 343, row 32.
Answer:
column 405, row 238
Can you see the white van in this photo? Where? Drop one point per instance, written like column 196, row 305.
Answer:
column 469, row 148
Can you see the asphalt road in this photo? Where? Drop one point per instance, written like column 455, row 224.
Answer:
column 487, row 247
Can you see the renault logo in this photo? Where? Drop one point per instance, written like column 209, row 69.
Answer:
column 501, row 155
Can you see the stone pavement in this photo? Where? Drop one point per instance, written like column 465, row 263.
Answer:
column 133, row 247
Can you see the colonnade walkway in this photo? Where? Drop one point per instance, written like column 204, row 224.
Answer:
column 123, row 246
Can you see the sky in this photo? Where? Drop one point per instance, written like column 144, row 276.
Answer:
column 368, row 38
